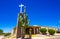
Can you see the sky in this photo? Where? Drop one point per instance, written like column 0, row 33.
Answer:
column 40, row 12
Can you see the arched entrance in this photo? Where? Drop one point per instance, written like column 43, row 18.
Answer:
column 27, row 31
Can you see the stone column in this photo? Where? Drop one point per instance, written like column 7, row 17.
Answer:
column 37, row 30
column 30, row 33
column 12, row 32
column 34, row 30
column 47, row 31
column 18, row 31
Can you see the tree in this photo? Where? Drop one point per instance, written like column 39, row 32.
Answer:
column 43, row 30
column 1, row 32
column 51, row 31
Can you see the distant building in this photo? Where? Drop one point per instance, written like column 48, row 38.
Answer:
column 58, row 31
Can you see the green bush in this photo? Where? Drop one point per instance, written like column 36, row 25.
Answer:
column 51, row 31
column 7, row 34
column 1, row 32
column 43, row 30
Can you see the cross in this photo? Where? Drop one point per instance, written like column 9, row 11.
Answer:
column 21, row 8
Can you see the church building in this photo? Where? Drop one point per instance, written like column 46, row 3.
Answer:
column 23, row 25
column 21, row 21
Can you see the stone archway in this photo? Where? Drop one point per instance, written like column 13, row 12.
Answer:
column 27, row 31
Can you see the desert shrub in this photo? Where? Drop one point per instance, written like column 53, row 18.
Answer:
column 7, row 34
column 43, row 30
column 51, row 31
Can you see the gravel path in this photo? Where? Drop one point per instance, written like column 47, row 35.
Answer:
column 56, row 37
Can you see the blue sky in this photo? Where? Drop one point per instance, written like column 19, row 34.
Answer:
column 40, row 12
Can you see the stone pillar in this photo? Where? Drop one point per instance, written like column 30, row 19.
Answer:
column 38, row 31
column 30, row 33
column 12, row 32
column 18, row 31
column 34, row 30
column 47, row 31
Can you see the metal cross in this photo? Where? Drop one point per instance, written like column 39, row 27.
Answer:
column 21, row 7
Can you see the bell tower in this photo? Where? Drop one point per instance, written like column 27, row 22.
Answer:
column 19, row 19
